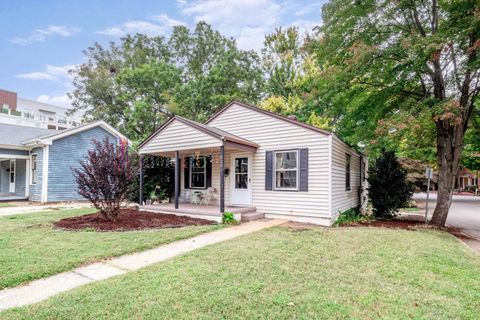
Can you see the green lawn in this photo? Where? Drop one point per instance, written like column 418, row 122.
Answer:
column 360, row 273
column 5, row 205
column 30, row 248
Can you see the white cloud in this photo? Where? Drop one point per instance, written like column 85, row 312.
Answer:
column 144, row 27
column 51, row 73
column 167, row 21
column 305, row 25
column 40, row 35
column 248, row 21
column 60, row 100
column 309, row 9
column 132, row 27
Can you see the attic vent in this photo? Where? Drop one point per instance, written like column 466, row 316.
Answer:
column 292, row 117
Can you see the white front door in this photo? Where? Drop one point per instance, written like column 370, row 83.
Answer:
column 12, row 176
column 240, row 179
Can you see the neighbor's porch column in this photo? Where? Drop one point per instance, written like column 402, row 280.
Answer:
column 141, row 181
column 177, row 177
column 222, row 179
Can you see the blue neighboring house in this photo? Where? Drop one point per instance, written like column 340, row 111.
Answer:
column 36, row 164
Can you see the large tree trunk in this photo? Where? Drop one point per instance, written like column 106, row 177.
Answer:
column 449, row 149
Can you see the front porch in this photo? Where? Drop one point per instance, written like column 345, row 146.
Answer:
column 210, row 212
column 212, row 170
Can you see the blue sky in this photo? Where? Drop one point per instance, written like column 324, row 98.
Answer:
column 40, row 40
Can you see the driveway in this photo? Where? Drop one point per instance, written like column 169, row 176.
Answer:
column 464, row 212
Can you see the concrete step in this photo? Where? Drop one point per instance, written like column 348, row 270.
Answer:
column 252, row 215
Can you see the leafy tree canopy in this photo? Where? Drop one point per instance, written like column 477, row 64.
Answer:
column 137, row 83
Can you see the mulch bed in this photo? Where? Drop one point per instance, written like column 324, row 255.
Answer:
column 406, row 224
column 129, row 219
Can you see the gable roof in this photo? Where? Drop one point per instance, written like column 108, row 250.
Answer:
column 284, row 118
column 13, row 135
column 55, row 135
column 210, row 130
column 269, row 113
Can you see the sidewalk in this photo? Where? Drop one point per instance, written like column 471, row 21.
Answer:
column 8, row 211
column 42, row 289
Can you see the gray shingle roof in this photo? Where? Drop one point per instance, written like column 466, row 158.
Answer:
column 14, row 135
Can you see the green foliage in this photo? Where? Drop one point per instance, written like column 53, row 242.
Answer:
column 158, row 177
column 137, row 83
column 153, row 196
column 389, row 189
column 228, row 218
column 282, row 61
column 349, row 216
column 376, row 60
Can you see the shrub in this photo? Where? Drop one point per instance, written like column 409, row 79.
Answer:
column 104, row 177
column 158, row 176
column 389, row 189
column 350, row 216
column 228, row 218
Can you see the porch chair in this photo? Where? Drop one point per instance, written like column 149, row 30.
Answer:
column 210, row 195
column 196, row 197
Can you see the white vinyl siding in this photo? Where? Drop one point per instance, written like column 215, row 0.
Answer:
column 179, row 136
column 343, row 199
column 272, row 134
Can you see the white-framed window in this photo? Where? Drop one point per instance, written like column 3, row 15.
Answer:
column 286, row 170
column 198, row 172
column 348, row 160
column 33, row 178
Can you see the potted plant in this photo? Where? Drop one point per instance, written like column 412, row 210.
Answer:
column 153, row 196
column 163, row 196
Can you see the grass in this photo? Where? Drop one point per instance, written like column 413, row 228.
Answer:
column 280, row 273
column 5, row 205
column 410, row 209
column 30, row 248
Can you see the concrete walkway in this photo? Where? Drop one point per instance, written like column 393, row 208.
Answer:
column 42, row 289
column 9, row 211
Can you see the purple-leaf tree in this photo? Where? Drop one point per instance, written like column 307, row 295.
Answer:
column 104, row 177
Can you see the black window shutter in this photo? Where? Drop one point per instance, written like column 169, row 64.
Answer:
column 186, row 173
column 269, row 170
column 303, row 170
column 208, row 183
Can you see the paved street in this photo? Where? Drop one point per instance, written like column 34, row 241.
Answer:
column 464, row 212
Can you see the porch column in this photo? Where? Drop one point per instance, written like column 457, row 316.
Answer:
column 177, row 177
column 141, row 181
column 222, row 179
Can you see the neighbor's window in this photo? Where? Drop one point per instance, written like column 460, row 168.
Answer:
column 34, row 168
column 198, row 172
column 286, row 169
column 347, row 171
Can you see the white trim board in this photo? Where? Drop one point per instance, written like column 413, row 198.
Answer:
column 46, row 152
column 50, row 138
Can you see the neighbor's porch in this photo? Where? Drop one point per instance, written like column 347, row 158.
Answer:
column 14, row 177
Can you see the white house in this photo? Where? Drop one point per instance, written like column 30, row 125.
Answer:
column 255, row 163
column 19, row 111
